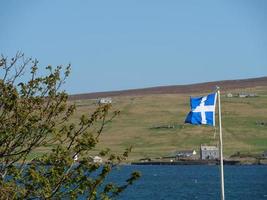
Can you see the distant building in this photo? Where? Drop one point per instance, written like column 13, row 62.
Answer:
column 264, row 155
column 75, row 158
column 246, row 95
column 96, row 159
column 252, row 95
column 229, row 95
column 104, row 101
column 186, row 154
column 209, row 152
column 243, row 95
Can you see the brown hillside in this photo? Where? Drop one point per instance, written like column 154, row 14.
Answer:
column 176, row 89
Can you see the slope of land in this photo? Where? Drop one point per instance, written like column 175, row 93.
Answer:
column 146, row 115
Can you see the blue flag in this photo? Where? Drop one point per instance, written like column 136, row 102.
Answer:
column 202, row 110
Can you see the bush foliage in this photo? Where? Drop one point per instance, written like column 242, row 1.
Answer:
column 35, row 113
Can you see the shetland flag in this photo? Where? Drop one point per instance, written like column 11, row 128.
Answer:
column 202, row 110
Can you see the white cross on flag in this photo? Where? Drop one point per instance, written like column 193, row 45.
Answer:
column 202, row 110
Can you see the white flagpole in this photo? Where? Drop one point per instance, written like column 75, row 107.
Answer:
column 221, row 146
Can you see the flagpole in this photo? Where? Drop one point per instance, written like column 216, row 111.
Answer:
column 221, row 145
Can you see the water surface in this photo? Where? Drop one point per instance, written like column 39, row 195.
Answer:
column 194, row 182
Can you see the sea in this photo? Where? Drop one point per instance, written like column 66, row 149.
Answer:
column 191, row 182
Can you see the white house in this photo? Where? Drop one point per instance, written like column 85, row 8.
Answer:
column 75, row 158
column 229, row 95
column 96, row 159
column 104, row 101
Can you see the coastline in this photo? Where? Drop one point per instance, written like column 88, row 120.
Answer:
column 201, row 162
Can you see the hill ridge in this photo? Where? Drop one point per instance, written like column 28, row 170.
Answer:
column 179, row 89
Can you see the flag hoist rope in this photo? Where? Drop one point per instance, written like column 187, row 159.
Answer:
column 221, row 146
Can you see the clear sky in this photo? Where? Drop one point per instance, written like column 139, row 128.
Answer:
column 124, row 44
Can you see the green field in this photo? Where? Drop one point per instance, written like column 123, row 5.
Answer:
column 139, row 114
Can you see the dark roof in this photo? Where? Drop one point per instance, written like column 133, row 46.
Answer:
column 186, row 151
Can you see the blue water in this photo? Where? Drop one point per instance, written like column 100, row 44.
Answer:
column 194, row 182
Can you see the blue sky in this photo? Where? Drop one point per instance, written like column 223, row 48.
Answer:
column 119, row 44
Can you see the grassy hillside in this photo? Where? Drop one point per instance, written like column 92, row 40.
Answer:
column 140, row 113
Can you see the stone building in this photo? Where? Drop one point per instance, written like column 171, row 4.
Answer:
column 209, row 152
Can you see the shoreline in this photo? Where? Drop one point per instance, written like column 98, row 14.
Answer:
column 198, row 162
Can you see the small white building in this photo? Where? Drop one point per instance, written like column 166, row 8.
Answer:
column 246, row 95
column 75, row 158
column 96, row 159
column 242, row 95
column 229, row 95
column 104, row 100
